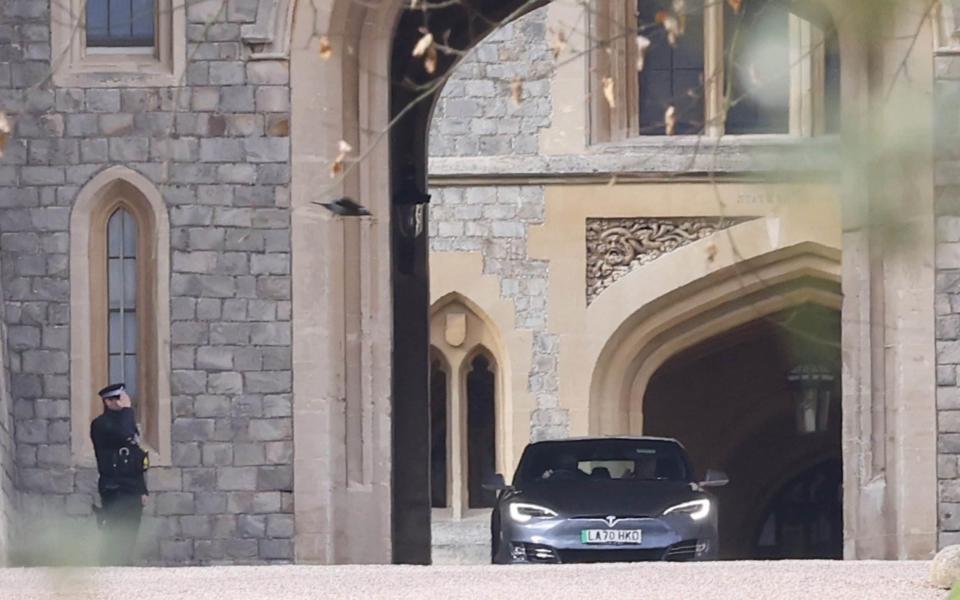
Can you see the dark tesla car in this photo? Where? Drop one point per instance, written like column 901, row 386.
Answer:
column 604, row 499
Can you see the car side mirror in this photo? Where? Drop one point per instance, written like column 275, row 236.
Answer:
column 494, row 483
column 715, row 478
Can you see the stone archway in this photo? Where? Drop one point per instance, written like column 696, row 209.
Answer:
column 729, row 401
column 386, row 488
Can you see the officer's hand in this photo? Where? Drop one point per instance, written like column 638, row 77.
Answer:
column 143, row 500
column 124, row 401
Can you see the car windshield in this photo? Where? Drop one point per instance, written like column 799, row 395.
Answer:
column 603, row 460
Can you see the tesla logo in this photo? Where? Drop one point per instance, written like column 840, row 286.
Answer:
column 611, row 520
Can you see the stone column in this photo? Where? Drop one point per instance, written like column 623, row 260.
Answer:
column 889, row 413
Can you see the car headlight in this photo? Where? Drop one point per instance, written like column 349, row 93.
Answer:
column 696, row 509
column 522, row 512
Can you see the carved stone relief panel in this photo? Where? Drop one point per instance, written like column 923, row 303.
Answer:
column 617, row 246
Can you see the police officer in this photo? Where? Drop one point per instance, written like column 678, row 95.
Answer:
column 121, row 463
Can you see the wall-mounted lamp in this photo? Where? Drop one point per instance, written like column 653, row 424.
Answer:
column 811, row 386
column 408, row 205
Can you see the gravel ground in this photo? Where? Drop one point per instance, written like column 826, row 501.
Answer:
column 807, row 580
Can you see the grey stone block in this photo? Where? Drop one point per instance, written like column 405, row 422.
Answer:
column 230, row 333
column 186, row 454
column 129, row 149
column 276, row 549
column 270, row 334
column 272, row 99
column 267, row 382
column 46, row 361
column 274, row 478
column 237, row 478
column 237, row 99
column 103, row 100
column 176, row 551
column 242, row 548
column 164, row 479
column 189, row 382
column 268, row 430
column 174, row 503
column 201, row 479
column 266, row 150
column 192, row 430
column 47, row 480
column 225, row 383
column 254, row 526
column 196, row 526
column 249, row 454
column 208, row 503
column 189, row 332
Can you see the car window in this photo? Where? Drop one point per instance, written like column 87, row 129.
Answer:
column 600, row 460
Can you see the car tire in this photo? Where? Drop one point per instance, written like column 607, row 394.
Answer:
column 494, row 537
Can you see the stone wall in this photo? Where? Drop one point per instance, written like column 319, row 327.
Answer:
column 8, row 467
column 495, row 220
column 476, row 114
column 218, row 151
column 947, row 181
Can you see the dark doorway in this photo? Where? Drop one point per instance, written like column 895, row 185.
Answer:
column 439, row 382
column 805, row 518
column 730, row 401
column 481, row 430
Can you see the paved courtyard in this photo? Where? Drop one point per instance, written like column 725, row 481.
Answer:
column 717, row 581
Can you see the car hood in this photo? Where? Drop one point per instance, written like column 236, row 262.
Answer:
column 602, row 498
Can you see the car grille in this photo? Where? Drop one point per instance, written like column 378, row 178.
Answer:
column 679, row 552
column 599, row 556
column 682, row 551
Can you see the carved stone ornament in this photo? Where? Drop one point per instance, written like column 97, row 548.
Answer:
column 617, row 246
column 269, row 36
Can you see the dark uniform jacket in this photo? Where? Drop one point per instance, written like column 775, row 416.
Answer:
column 120, row 460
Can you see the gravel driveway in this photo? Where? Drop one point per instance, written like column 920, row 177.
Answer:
column 807, row 580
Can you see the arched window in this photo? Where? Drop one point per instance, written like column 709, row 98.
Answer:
column 124, row 325
column 119, row 269
column 468, row 406
column 439, row 385
column 481, row 429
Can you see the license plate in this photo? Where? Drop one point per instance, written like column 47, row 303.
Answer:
column 610, row 536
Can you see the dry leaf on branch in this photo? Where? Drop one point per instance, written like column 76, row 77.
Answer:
column 423, row 44
column 427, row 48
column 608, row 92
column 642, row 45
column 559, row 43
column 325, row 49
column 670, row 119
column 670, row 24
column 337, row 167
column 5, row 130
column 516, row 91
column 735, row 5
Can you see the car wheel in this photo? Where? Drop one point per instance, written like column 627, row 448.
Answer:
column 494, row 537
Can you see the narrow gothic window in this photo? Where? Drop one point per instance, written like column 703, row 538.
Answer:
column 122, row 317
column 120, row 23
column 671, row 75
column 481, row 430
column 438, row 434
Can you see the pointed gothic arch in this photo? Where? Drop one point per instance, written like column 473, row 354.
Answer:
column 98, row 275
